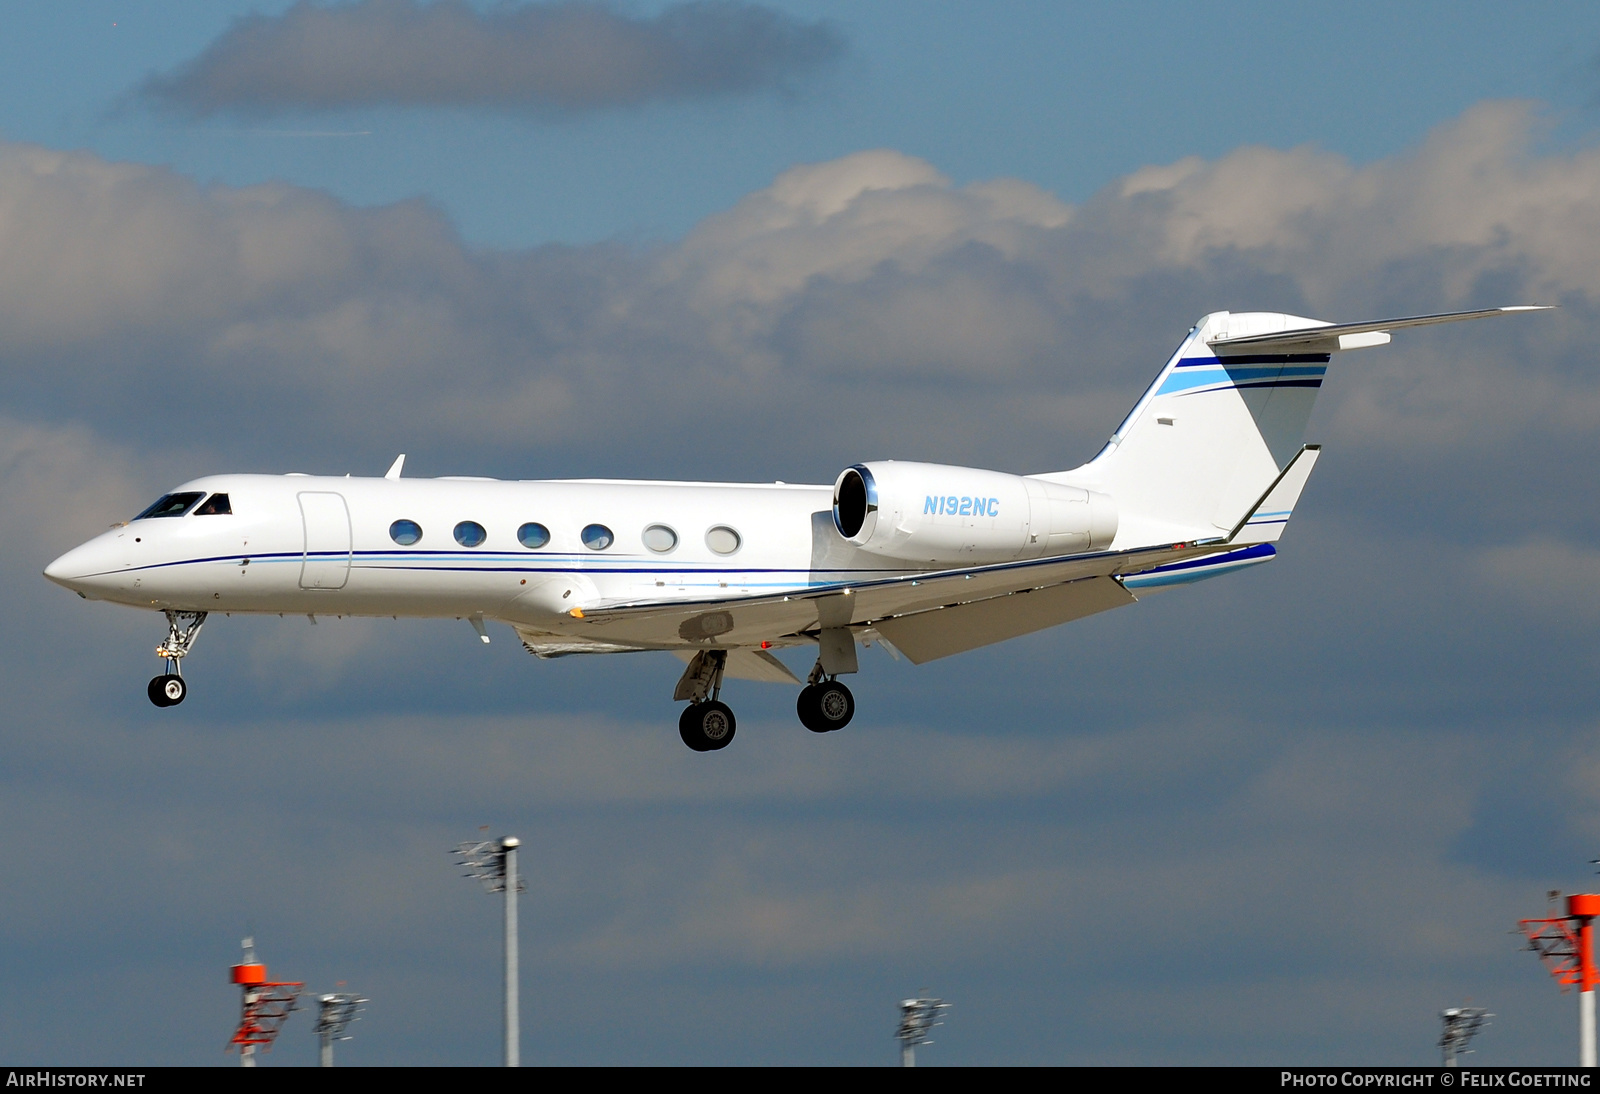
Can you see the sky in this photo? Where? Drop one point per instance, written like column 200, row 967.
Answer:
column 1284, row 817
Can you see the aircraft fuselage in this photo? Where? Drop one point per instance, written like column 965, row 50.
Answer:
column 309, row 544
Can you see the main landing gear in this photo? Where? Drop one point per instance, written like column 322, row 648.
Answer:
column 168, row 690
column 706, row 724
column 824, row 704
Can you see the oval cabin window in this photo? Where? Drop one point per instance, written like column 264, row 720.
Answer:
column 405, row 532
column 597, row 537
column 660, row 539
column 723, row 540
column 533, row 536
column 469, row 533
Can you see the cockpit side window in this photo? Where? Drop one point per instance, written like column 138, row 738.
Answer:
column 171, row 505
column 216, row 506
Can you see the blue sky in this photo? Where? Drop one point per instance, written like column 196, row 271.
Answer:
column 1300, row 806
column 1069, row 97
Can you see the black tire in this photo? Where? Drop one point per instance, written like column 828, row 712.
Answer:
column 686, row 728
column 167, row 691
column 707, row 727
column 808, row 710
column 834, row 706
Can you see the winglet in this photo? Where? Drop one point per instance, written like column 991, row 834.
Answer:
column 1267, row 517
column 394, row 468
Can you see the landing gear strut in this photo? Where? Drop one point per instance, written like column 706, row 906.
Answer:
column 825, row 704
column 168, row 690
column 706, row 724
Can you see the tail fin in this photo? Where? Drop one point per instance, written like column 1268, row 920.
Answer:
column 1223, row 420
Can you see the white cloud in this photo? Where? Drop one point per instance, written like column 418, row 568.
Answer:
column 547, row 58
column 308, row 316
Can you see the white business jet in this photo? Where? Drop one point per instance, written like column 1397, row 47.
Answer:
column 926, row 559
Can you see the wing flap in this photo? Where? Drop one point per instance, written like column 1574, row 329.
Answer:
column 930, row 635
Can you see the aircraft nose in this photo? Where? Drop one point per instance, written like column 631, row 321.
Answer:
column 77, row 568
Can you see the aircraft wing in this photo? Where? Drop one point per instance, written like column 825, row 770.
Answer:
column 1067, row 583
column 939, row 632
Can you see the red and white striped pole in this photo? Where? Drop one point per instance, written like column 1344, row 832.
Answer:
column 1583, row 908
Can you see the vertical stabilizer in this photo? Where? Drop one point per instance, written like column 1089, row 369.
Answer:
column 1224, row 419
column 1211, row 433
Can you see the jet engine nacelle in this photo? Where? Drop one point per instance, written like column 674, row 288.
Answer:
column 929, row 512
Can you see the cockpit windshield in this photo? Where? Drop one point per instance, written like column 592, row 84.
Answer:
column 216, row 505
column 171, row 505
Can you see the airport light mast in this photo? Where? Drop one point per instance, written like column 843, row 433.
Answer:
column 335, row 1011
column 1566, row 945
column 1461, row 1025
column 264, row 1008
column 494, row 862
column 917, row 1018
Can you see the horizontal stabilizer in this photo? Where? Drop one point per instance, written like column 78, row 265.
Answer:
column 1266, row 520
column 1330, row 337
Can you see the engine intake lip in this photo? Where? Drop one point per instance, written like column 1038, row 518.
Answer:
column 855, row 497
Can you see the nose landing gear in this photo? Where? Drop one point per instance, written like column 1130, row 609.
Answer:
column 168, row 690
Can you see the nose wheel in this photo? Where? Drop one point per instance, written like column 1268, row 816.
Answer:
column 825, row 706
column 168, row 689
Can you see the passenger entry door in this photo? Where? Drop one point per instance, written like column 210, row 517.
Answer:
column 326, row 563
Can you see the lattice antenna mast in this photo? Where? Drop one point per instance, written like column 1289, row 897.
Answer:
column 1566, row 946
column 265, row 1006
column 335, row 1011
column 494, row 863
column 1461, row 1025
column 918, row 1017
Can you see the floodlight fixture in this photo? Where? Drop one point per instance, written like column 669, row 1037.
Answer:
column 918, row 1017
column 335, row 1011
column 494, row 864
column 1461, row 1025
